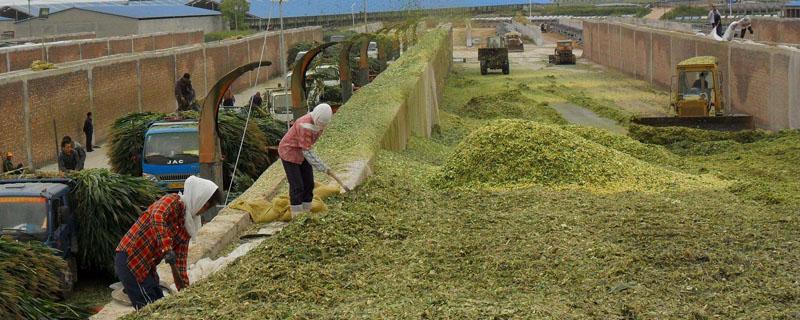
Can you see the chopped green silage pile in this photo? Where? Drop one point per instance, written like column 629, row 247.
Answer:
column 401, row 247
column 519, row 153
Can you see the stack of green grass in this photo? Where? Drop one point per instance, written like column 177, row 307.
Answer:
column 106, row 205
column 517, row 153
column 29, row 283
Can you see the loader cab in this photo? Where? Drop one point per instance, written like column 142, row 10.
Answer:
column 695, row 88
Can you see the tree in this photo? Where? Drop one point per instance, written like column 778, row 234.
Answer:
column 235, row 12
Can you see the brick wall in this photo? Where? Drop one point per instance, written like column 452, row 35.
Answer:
column 12, row 121
column 112, row 97
column 63, row 98
column 760, row 80
column 114, row 86
column 89, row 49
column 92, row 50
column 64, row 53
column 22, row 58
column 779, row 30
column 3, row 63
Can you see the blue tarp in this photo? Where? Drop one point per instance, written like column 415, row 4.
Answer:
column 300, row 8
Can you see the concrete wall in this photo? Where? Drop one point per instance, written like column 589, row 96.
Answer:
column 760, row 80
column 106, row 25
column 778, row 30
column 6, row 26
column 206, row 24
column 20, row 57
column 35, row 102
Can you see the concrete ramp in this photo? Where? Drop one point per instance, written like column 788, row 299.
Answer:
column 579, row 115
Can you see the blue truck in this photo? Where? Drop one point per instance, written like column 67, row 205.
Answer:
column 39, row 210
column 171, row 153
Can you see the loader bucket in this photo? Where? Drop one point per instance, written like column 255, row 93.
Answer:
column 732, row 122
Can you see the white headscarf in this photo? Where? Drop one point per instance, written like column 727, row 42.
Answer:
column 321, row 116
column 196, row 192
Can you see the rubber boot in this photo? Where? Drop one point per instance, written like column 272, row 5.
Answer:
column 307, row 206
column 296, row 210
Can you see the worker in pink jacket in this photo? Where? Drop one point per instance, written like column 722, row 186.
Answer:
column 298, row 158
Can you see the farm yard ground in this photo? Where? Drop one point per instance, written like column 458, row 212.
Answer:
column 509, row 211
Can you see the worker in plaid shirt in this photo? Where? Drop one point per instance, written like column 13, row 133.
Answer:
column 162, row 232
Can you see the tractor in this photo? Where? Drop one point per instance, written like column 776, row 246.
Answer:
column 563, row 53
column 494, row 56
column 697, row 99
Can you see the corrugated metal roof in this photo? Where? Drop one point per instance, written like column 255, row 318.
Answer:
column 151, row 11
column 6, row 19
column 793, row 4
column 59, row 6
column 301, row 8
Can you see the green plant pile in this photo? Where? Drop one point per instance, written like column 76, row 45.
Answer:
column 30, row 283
column 106, row 205
column 518, row 153
column 39, row 65
column 667, row 136
column 508, row 104
column 127, row 141
column 401, row 247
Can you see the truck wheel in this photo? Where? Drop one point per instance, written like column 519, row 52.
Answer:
column 483, row 68
column 505, row 68
column 69, row 277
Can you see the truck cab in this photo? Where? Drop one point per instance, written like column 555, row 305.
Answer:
column 279, row 103
column 171, row 153
column 38, row 210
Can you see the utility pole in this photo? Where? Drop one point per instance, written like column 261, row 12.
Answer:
column 283, row 47
column 365, row 17
column 530, row 9
column 30, row 20
column 353, row 14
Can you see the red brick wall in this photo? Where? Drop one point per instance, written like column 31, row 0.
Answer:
column 271, row 50
column 216, row 63
column 750, row 83
column 118, row 46
column 193, row 63
column 628, row 57
column 63, row 53
column 602, row 44
column 91, row 50
column 143, row 44
column 21, row 59
column 642, row 51
column 779, row 105
column 776, row 30
column 615, row 47
column 63, row 98
column 12, row 121
column 239, row 55
column 682, row 48
column 181, row 39
column 662, row 62
column 113, row 97
column 708, row 47
column 158, row 80
column 163, row 41
column 196, row 37
column 3, row 63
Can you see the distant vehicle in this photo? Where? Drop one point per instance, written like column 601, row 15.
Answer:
column 337, row 38
column 514, row 42
column 372, row 50
column 279, row 103
column 494, row 56
column 171, row 153
column 300, row 55
column 38, row 210
column 563, row 53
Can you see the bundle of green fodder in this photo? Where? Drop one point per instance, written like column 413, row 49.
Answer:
column 30, row 276
column 106, row 204
column 127, row 141
column 517, row 153
column 39, row 65
column 645, row 152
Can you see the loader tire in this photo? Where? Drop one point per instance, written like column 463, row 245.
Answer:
column 505, row 68
column 483, row 68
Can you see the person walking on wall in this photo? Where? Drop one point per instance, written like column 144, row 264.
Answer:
column 8, row 163
column 162, row 232
column 184, row 93
column 298, row 157
column 88, row 130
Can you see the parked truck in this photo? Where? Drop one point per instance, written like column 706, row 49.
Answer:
column 39, row 210
column 494, row 56
column 171, row 153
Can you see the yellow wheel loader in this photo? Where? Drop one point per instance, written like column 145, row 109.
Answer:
column 696, row 96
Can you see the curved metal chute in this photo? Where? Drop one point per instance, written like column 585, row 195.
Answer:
column 210, row 155
column 299, row 75
column 345, row 78
column 363, row 62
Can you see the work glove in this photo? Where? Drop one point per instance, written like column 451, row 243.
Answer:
column 170, row 257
